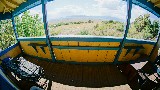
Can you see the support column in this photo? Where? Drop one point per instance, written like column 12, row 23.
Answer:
column 44, row 11
column 129, row 8
column 15, row 32
column 155, row 45
column 14, row 28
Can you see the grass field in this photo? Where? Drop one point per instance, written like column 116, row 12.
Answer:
column 95, row 27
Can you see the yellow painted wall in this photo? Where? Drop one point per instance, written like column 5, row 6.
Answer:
column 31, row 51
column 12, row 53
column 154, row 55
column 75, row 43
column 86, row 55
column 147, row 50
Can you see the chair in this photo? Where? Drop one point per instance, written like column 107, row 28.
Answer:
column 148, row 70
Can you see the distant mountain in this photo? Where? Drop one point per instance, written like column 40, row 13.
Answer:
column 83, row 18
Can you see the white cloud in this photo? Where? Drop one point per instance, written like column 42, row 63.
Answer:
column 110, row 4
column 64, row 11
column 111, row 8
column 118, row 9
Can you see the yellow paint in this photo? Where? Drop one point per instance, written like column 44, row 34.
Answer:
column 31, row 51
column 12, row 53
column 147, row 50
column 86, row 55
column 72, row 43
column 75, row 43
column 114, row 44
column 57, row 53
column 62, row 43
column 154, row 55
column 103, row 44
column 8, row 6
column 132, row 44
column 76, row 55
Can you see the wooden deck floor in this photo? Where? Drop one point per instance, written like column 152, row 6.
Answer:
column 79, row 76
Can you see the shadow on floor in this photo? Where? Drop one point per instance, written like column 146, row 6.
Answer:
column 79, row 75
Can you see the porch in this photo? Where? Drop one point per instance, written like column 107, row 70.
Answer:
column 82, row 62
column 77, row 76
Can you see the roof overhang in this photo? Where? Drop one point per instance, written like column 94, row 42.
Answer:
column 148, row 5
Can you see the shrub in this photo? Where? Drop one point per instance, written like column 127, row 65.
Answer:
column 84, row 32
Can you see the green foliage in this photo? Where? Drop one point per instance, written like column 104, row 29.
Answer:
column 31, row 26
column 90, row 21
column 110, row 21
column 27, row 26
column 110, row 25
column 62, row 23
column 84, row 32
column 155, row 28
column 147, row 35
column 96, row 26
column 143, row 24
column 7, row 37
column 53, row 33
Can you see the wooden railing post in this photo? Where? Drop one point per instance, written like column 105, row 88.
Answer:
column 129, row 8
column 15, row 32
column 155, row 45
column 14, row 28
column 44, row 12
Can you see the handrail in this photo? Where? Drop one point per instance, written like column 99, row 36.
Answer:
column 87, row 39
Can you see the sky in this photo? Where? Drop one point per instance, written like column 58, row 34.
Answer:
column 111, row 8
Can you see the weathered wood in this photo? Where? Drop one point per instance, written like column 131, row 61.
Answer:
column 80, row 75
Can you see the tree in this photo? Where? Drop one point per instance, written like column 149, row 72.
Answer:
column 27, row 26
column 155, row 28
column 7, row 37
column 143, row 24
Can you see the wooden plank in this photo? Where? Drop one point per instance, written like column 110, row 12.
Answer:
column 81, row 76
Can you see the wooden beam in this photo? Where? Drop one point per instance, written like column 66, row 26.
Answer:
column 13, row 2
column 6, row 5
column 5, row 9
column 157, row 3
column 149, row 6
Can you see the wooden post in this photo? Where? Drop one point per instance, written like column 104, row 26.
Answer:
column 15, row 32
column 129, row 8
column 14, row 28
column 155, row 45
column 44, row 11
